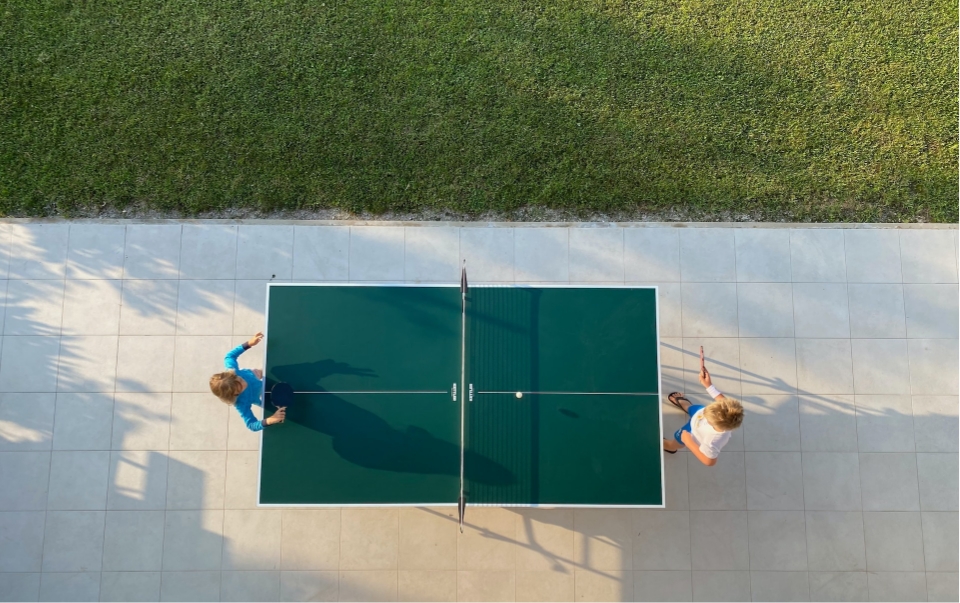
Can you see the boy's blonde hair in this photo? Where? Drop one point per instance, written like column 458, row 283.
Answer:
column 226, row 386
column 725, row 414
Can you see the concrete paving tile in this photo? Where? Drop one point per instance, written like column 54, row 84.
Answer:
column 21, row 533
column 377, row 585
column 651, row 254
column 313, row 586
column 897, row 586
column 78, row 480
column 721, row 586
column 251, row 540
column 937, row 474
column 828, row 423
column 152, row 251
column 265, row 252
column 943, row 586
column 765, row 309
column 5, row 250
column 821, row 310
column 196, row 358
column 708, row 255
column 541, row 254
column 663, row 586
column 719, row 540
column 205, row 307
column 95, row 251
column 872, row 256
column 884, row 424
column 831, row 481
column 876, row 311
column 38, row 251
column 33, row 307
column 91, row 307
column 777, row 540
column 880, row 366
column 771, row 423
column 774, row 481
column 249, row 586
column 835, row 541
column 208, row 251
column 321, row 253
column 311, row 540
column 671, row 369
column 133, row 542
column 488, row 253
column 26, row 421
column 141, row 421
column 894, row 542
column 190, row 586
column 431, row 254
column 596, row 254
column 149, row 307
column 602, row 539
column 544, row 540
column 20, row 587
column 940, row 542
column 709, row 310
column 608, row 585
column 722, row 356
column 935, row 423
column 250, row 300
column 196, row 478
column 928, row 256
column 199, row 422
column 369, row 539
column 138, row 480
column 192, row 541
column 241, row 438
column 675, row 478
column 817, row 256
column 376, row 254
column 130, row 586
column 768, row 366
column 933, row 364
column 70, row 586
column 30, row 472
column 88, row 364
column 889, row 481
column 29, row 364
column 824, row 366
column 544, row 586
column 73, row 541
column 931, row 311
column 145, row 363
column 763, row 255
column 661, row 540
column 718, row 488
column 779, row 586
column 838, row 586
column 241, row 488
column 488, row 541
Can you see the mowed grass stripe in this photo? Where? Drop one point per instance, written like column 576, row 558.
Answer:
column 800, row 110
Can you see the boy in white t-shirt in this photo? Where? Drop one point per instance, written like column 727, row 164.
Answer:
column 709, row 427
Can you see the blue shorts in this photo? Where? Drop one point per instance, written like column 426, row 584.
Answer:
column 692, row 410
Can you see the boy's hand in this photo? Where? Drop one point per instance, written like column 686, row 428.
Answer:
column 255, row 339
column 278, row 416
column 258, row 373
column 705, row 377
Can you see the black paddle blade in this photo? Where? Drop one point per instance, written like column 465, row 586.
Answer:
column 281, row 395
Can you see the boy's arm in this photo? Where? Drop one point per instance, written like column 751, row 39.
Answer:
column 253, row 424
column 230, row 360
column 692, row 445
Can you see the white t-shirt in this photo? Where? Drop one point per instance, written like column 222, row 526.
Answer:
column 710, row 440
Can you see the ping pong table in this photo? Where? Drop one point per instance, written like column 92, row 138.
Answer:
column 432, row 395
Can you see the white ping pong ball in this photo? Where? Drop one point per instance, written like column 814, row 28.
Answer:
column 519, row 394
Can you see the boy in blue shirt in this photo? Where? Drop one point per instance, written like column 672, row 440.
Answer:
column 241, row 388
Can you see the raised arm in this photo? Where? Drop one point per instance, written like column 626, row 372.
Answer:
column 230, row 360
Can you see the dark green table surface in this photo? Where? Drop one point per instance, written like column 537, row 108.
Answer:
column 381, row 422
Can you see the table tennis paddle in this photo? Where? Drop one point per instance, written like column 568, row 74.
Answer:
column 702, row 367
column 281, row 395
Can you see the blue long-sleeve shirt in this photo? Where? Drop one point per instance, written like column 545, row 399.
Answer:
column 250, row 396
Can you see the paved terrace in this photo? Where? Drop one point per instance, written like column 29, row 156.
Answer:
column 122, row 478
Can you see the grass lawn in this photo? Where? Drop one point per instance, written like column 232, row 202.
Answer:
column 773, row 109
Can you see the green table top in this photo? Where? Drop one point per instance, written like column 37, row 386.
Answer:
column 377, row 416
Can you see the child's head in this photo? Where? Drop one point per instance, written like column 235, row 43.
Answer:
column 725, row 414
column 227, row 386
